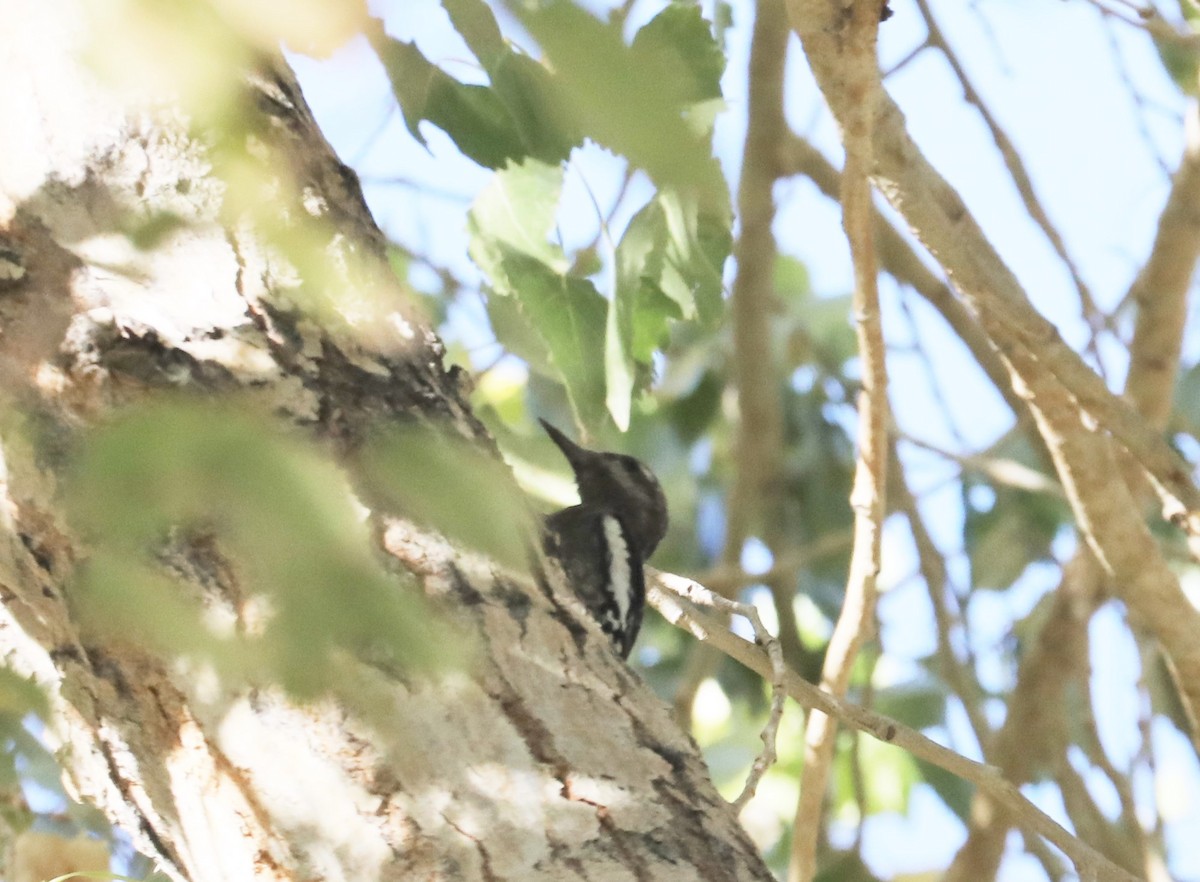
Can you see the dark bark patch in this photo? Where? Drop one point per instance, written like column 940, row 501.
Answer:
column 40, row 556
column 515, row 600
column 537, row 738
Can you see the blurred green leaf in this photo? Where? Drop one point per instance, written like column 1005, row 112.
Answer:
column 166, row 480
column 570, row 315
column 1006, row 528
column 515, row 117
column 845, row 867
column 1180, row 56
column 670, row 260
column 556, row 320
column 791, row 278
column 698, row 242
column 634, row 99
column 917, row 705
column 517, row 333
column 1015, row 531
column 692, row 414
column 887, row 773
column 526, row 88
column 477, row 25
column 443, row 482
column 668, row 266
column 1187, row 400
column 473, row 116
column 20, row 696
column 513, row 217
column 148, row 232
column 531, row 94
column 681, row 32
column 953, row 790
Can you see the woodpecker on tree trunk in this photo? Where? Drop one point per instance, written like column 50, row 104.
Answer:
column 603, row 542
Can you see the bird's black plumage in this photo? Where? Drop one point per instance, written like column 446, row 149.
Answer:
column 603, row 542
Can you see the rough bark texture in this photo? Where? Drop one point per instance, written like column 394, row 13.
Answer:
column 549, row 760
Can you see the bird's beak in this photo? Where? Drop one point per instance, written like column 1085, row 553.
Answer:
column 570, row 449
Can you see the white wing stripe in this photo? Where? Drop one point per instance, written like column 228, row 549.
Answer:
column 619, row 574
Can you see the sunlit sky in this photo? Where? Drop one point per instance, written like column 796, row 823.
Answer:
column 1097, row 161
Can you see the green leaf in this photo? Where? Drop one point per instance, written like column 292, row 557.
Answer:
column 953, row 790
column 671, row 250
column 887, row 772
column 619, row 371
column 557, row 320
column 1187, row 400
column 532, row 96
column 441, row 481
column 828, row 322
column 475, row 23
column 514, row 329
column 20, row 696
column 698, row 242
column 681, row 32
column 1177, row 53
column 1013, row 533
column 570, row 316
column 632, row 99
column 272, row 518
column 1180, row 61
column 514, row 216
column 637, row 321
column 916, row 705
column 526, row 88
column 791, row 279
column 692, row 414
column 515, row 117
column 473, row 116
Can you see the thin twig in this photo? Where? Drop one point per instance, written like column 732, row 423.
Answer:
column 1005, row 472
column 957, row 675
column 941, row 402
column 698, row 594
column 727, row 580
column 1088, row 862
column 1092, row 314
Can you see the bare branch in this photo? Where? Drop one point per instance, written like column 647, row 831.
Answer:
column 1111, row 522
column 900, row 259
column 860, row 72
column 758, row 448
column 1161, row 288
column 1088, row 862
column 697, row 593
column 1016, row 169
column 942, row 222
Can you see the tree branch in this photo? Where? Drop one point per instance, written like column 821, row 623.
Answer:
column 1088, row 862
column 941, row 221
column 758, row 446
column 860, row 72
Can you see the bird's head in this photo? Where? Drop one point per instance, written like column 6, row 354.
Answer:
column 619, row 484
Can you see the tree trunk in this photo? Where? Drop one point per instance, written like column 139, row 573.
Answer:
column 546, row 758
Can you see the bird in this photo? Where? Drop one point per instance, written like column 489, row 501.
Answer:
column 602, row 543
